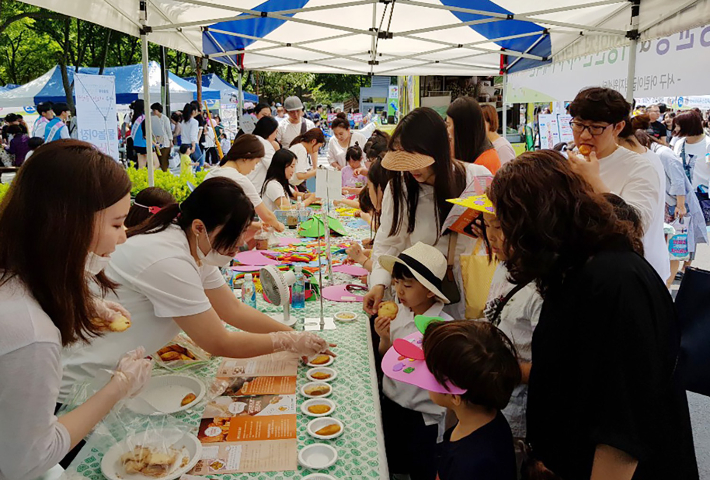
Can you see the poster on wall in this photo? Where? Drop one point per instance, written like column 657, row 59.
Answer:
column 665, row 67
column 96, row 111
column 549, row 131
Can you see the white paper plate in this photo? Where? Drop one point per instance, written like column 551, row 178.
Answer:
column 326, row 364
column 112, row 468
column 313, row 384
column 319, row 476
column 333, row 374
column 318, row 423
column 165, row 393
column 318, row 401
column 342, row 317
column 318, row 456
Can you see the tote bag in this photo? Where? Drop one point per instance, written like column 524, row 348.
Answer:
column 477, row 273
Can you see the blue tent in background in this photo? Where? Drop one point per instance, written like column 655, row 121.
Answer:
column 214, row 82
column 129, row 86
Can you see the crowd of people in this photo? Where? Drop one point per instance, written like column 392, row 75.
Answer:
column 567, row 370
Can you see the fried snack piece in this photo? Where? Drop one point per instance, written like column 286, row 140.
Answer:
column 132, row 467
column 320, row 375
column 189, row 398
column 138, row 454
column 387, row 309
column 173, row 352
column 121, row 324
column 585, row 150
column 319, row 409
column 317, row 390
column 170, row 356
column 329, row 430
column 321, row 359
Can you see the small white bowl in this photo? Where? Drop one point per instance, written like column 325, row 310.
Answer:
column 329, row 371
column 318, row 423
column 319, row 476
column 346, row 316
column 315, row 365
column 318, row 456
column 313, row 384
column 318, row 401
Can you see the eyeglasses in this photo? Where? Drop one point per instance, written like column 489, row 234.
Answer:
column 594, row 130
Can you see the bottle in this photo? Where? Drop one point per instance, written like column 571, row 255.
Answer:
column 249, row 291
column 298, row 290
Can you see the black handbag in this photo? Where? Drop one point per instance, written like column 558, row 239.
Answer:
column 693, row 307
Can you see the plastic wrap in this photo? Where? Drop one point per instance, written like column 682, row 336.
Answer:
column 181, row 354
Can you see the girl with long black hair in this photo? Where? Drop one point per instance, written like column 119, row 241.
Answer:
column 277, row 192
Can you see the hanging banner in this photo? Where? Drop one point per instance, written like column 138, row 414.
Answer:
column 96, row 111
column 667, row 66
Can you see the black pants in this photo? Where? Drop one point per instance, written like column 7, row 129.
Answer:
column 211, row 156
column 66, row 461
column 411, row 445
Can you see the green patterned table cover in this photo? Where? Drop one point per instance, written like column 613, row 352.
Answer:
column 361, row 452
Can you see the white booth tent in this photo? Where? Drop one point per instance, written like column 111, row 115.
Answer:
column 386, row 37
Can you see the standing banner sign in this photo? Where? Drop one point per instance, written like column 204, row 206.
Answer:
column 665, row 67
column 96, row 111
column 549, row 131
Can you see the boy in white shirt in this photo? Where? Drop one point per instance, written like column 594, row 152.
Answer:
column 412, row 422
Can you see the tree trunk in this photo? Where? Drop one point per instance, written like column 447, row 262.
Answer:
column 63, row 67
column 198, row 78
column 104, row 55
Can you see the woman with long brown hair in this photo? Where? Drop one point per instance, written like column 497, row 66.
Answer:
column 59, row 223
column 468, row 141
column 605, row 350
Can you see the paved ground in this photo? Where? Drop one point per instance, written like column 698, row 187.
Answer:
column 699, row 404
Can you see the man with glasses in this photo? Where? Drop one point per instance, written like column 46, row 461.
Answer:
column 598, row 117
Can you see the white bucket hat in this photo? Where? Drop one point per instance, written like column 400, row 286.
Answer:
column 427, row 264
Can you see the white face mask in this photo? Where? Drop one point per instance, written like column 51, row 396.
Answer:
column 95, row 263
column 213, row 258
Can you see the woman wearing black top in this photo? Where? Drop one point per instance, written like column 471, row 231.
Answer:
column 604, row 401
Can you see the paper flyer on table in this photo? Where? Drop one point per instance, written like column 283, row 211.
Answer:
column 276, row 364
column 243, row 429
column 261, row 405
column 241, row 386
column 247, row 457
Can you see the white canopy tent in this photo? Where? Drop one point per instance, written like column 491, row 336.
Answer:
column 386, row 37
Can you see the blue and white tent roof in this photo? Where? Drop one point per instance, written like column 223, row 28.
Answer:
column 434, row 37
column 214, row 82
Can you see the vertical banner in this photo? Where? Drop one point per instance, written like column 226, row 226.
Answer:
column 549, row 131
column 97, row 122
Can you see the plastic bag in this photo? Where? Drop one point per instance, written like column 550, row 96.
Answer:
column 181, row 353
column 678, row 243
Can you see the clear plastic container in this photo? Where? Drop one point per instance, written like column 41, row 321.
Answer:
column 249, row 291
column 298, row 290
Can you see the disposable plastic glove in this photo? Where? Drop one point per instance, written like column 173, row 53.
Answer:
column 303, row 343
column 107, row 312
column 133, row 372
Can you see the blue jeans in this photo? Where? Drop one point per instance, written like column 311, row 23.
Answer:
column 198, row 157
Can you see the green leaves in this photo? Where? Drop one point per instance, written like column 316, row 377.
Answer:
column 177, row 185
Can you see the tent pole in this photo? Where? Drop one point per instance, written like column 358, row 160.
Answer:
column 240, row 100
column 633, row 47
column 146, row 100
column 164, row 90
column 505, row 102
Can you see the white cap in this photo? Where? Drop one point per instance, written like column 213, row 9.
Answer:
column 248, row 277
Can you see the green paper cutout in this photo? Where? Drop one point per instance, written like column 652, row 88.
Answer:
column 422, row 322
column 408, row 370
column 313, row 227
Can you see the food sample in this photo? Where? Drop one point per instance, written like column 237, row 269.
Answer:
column 321, row 360
column 189, row 398
column 320, row 375
column 174, row 352
column 387, row 309
column 585, row 150
column 319, row 409
column 151, row 462
column 329, row 430
column 345, row 316
column 121, row 324
column 317, row 390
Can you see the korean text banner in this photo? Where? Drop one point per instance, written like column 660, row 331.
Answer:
column 96, row 111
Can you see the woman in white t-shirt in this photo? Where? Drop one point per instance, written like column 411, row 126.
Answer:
column 306, row 148
column 169, row 279
column 265, row 131
column 55, row 238
column 505, row 150
column 693, row 148
column 341, row 141
column 422, row 160
column 246, row 153
column 277, row 192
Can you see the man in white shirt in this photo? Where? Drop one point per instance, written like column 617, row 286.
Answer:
column 46, row 114
column 162, row 134
column 599, row 115
column 280, row 113
column 295, row 125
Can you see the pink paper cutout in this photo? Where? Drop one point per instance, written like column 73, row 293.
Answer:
column 353, row 270
column 286, row 241
column 408, row 349
column 337, row 292
column 254, row 257
column 246, row 268
column 413, row 372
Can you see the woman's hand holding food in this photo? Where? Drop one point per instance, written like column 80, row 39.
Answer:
column 111, row 316
column 133, row 372
column 305, row 344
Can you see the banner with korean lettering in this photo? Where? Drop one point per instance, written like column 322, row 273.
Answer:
column 670, row 66
column 97, row 122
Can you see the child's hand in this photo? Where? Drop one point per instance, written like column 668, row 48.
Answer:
column 382, row 327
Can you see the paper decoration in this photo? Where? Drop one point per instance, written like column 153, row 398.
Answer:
column 353, row 270
column 329, row 184
column 254, row 257
column 339, row 293
column 480, row 203
column 286, row 241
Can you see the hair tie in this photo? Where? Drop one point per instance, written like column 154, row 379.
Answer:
column 152, row 210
